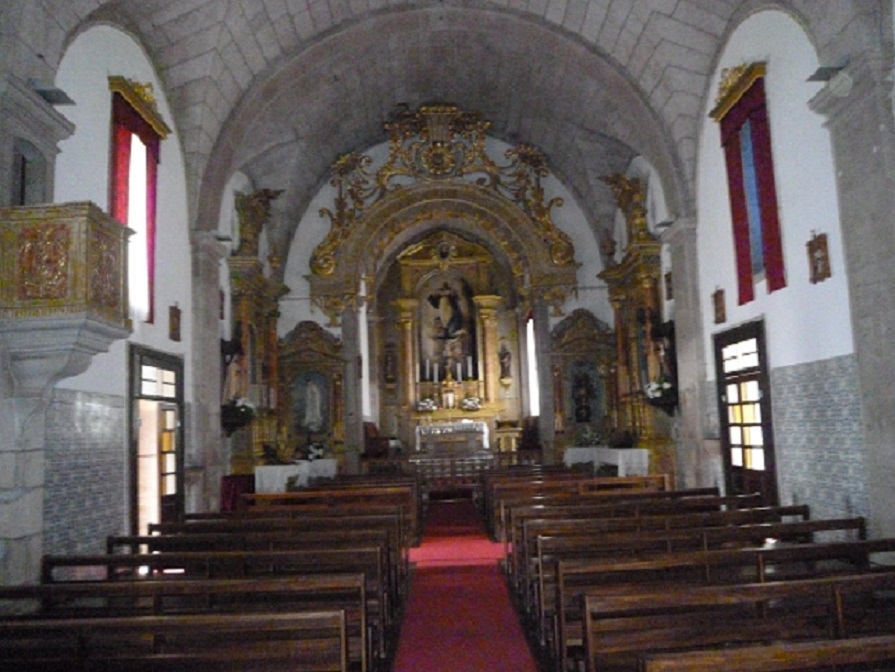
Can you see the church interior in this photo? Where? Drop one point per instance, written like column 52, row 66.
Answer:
column 392, row 290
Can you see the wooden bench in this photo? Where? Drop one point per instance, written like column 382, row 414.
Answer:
column 103, row 599
column 870, row 653
column 404, row 496
column 307, row 641
column 541, row 579
column 619, row 628
column 577, row 579
column 382, row 611
column 248, row 538
column 569, row 484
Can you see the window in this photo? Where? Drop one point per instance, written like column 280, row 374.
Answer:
column 746, row 139
column 137, row 132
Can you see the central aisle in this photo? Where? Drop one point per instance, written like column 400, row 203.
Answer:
column 459, row 617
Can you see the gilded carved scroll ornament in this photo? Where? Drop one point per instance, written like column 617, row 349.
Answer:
column 437, row 142
column 43, row 262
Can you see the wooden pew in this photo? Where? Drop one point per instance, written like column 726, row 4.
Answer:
column 578, row 578
column 307, row 641
column 103, row 599
column 248, row 538
column 569, row 483
column 404, row 496
column 382, row 611
column 629, row 509
column 870, row 653
column 621, row 627
column 290, row 520
column 588, row 522
column 541, row 581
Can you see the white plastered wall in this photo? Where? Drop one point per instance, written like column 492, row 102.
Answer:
column 82, row 174
column 804, row 322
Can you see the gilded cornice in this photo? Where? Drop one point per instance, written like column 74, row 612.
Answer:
column 734, row 83
column 142, row 98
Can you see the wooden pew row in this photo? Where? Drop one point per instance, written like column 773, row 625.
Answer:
column 401, row 495
column 307, row 641
column 858, row 653
column 381, row 610
column 588, row 522
column 518, row 504
column 296, row 519
column 569, row 483
column 541, row 579
column 521, row 479
column 619, row 628
column 248, row 538
column 596, row 527
column 577, row 579
column 613, row 507
column 104, row 599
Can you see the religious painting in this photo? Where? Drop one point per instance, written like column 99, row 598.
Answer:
column 818, row 258
column 447, row 330
column 585, row 393
column 310, row 403
column 174, row 322
column 718, row 304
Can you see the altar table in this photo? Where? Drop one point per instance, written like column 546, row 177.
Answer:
column 274, row 478
column 630, row 461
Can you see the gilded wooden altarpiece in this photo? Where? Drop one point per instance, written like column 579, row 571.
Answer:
column 634, row 284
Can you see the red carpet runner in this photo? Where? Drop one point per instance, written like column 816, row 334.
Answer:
column 459, row 617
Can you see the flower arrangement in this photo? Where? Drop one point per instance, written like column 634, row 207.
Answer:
column 588, row 436
column 236, row 413
column 426, row 405
column 471, row 403
column 661, row 393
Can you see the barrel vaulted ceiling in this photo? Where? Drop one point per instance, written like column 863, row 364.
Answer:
column 278, row 89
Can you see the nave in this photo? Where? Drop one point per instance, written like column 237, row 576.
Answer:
column 544, row 568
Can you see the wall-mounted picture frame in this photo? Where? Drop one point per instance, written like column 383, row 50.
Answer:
column 174, row 323
column 818, row 258
column 718, row 303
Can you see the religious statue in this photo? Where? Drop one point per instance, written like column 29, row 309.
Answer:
column 581, row 393
column 448, row 327
column 505, row 358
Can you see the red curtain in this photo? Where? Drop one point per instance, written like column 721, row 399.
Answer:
column 126, row 121
column 752, row 108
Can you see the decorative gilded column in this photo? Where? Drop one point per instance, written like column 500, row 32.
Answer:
column 487, row 306
column 409, row 355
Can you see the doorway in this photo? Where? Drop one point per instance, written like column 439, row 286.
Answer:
column 157, row 456
column 744, row 406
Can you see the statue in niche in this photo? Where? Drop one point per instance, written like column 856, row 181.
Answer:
column 505, row 357
column 582, row 392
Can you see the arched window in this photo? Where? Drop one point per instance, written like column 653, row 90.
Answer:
column 746, row 138
column 137, row 131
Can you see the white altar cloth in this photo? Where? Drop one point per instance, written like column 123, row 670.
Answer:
column 630, row 461
column 273, row 478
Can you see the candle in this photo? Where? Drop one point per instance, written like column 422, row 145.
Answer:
column 435, row 370
column 428, row 370
column 459, row 374
column 469, row 366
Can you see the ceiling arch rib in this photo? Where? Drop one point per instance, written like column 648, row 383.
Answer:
column 332, row 97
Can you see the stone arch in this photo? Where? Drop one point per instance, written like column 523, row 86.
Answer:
column 468, row 209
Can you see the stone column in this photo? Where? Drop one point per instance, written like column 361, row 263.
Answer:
column 487, row 309
column 205, row 448
column 857, row 102
column 354, row 420
column 409, row 354
column 698, row 461
column 547, row 419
